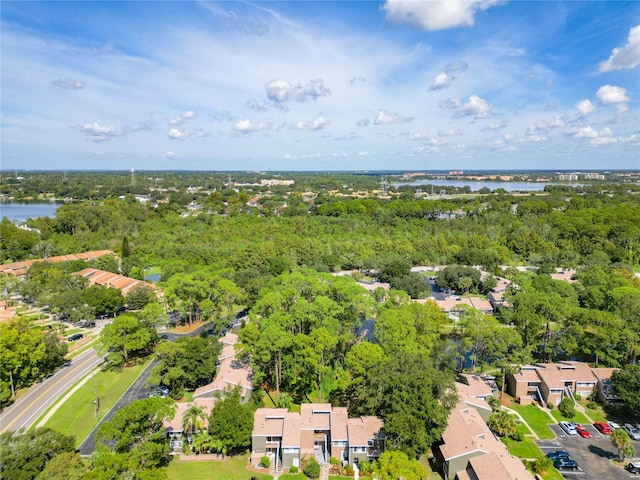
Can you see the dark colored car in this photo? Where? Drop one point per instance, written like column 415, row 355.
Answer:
column 565, row 464
column 558, row 454
column 633, row 467
column 602, row 427
column 75, row 336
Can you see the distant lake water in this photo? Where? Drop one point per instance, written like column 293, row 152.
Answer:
column 21, row 211
column 475, row 186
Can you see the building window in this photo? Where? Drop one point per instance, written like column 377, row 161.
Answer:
column 291, row 450
column 339, row 443
column 359, row 449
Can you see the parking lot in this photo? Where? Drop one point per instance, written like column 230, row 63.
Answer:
column 592, row 454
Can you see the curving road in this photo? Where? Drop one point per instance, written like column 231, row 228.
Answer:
column 28, row 408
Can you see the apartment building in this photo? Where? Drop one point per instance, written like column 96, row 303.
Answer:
column 318, row 430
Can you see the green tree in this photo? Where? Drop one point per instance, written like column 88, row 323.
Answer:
column 231, row 423
column 503, row 423
column 26, row 454
column 393, row 465
column 567, row 408
column 621, row 441
column 193, row 419
column 65, row 466
column 126, row 336
column 312, row 468
column 626, row 383
column 139, row 296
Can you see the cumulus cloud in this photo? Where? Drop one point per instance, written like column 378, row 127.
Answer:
column 95, row 132
column 282, row 91
column 627, row 56
column 317, row 124
column 445, row 78
column 473, row 106
column 608, row 94
column 245, row 127
column 388, row 118
column 496, row 125
column 585, row 107
column 171, row 154
column 449, row 132
column 176, row 134
column 592, row 136
column 68, row 83
column 180, row 119
column 264, row 105
column 436, row 15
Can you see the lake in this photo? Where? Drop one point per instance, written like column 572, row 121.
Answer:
column 475, row 185
column 19, row 212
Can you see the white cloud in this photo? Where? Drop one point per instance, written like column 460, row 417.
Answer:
column 475, row 106
column 445, row 78
column 449, row 133
column 171, row 154
column 585, row 107
column 95, row 132
column 68, row 83
column 176, row 134
column 608, row 94
column 318, row 124
column 627, row 56
column 180, row 119
column 245, row 127
column 283, row 91
column 497, row 125
column 363, row 154
column 388, row 118
column 442, row 81
column 436, row 15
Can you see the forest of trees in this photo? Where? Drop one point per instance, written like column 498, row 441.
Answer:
column 305, row 335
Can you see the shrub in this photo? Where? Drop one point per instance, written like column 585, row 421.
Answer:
column 541, row 465
column 518, row 436
column 567, row 408
column 578, row 397
column 293, row 469
column 551, row 406
column 312, row 469
column 265, row 462
column 592, row 405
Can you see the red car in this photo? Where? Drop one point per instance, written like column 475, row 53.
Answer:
column 602, row 427
column 583, row 432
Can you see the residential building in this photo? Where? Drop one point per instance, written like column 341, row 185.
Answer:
column 19, row 269
column 551, row 382
column 318, row 430
column 232, row 372
column 174, row 428
column 604, row 388
column 469, row 449
column 114, row 280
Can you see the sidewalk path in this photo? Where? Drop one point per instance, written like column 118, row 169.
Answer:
column 535, row 435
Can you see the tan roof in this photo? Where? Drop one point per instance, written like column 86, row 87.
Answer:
column 175, row 423
column 556, row 374
column 564, row 275
column 108, row 279
column 363, row 429
column 291, row 430
column 339, row 417
column 494, row 466
column 315, row 416
column 454, row 303
column 269, row 422
column 527, row 373
column 20, row 268
column 604, row 374
column 473, row 386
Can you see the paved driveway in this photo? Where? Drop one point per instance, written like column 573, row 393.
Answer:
column 592, row 454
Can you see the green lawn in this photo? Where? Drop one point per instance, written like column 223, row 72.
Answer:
column 293, row 476
column 525, row 449
column 596, row 415
column 536, row 419
column 580, row 418
column 553, row 474
column 76, row 417
column 235, row 468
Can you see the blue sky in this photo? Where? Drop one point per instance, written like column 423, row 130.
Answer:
column 421, row 85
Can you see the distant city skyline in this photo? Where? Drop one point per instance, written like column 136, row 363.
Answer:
column 321, row 86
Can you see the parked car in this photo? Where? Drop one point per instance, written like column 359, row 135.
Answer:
column 565, row 464
column 75, row 336
column 632, row 431
column 633, row 467
column 613, row 425
column 602, row 427
column 569, row 428
column 558, row 454
column 583, row 432
column 160, row 391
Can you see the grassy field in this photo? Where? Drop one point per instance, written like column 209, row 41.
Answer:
column 234, row 468
column 76, row 417
column 536, row 419
column 524, row 449
column 596, row 415
column 580, row 418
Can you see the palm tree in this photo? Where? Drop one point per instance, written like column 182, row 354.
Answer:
column 193, row 419
column 621, row 441
column 202, row 441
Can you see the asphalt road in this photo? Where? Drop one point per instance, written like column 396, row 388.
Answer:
column 29, row 407
column 592, row 454
column 138, row 390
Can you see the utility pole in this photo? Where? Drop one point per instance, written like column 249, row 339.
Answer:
column 96, row 401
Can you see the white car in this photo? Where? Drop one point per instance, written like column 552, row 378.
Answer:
column 632, row 431
column 613, row 425
column 569, row 428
